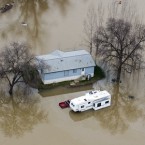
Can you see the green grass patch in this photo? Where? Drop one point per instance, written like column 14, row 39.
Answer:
column 41, row 86
column 99, row 73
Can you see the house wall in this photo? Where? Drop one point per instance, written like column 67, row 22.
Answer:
column 89, row 70
column 64, row 76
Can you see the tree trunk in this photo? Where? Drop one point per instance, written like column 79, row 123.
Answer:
column 118, row 74
column 11, row 90
column 91, row 47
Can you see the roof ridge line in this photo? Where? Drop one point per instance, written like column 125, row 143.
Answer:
column 66, row 57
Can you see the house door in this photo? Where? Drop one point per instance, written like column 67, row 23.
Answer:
column 83, row 71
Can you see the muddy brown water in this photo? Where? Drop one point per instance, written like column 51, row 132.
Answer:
column 58, row 24
column 63, row 90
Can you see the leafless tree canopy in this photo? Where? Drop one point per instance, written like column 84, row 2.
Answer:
column 94, row 19
column 120, row 44
column 90, row 28
column 14, row 63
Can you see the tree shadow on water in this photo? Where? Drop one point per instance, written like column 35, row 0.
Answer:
column 32, row 12
column 30, row 20
column 121, row 113
column 117, row 117
column 18, row 117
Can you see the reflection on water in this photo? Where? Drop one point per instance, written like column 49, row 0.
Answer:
column 26, row 19
column 65, row 21
column 122, row 111
column 19, row 117
column 62, row 4
column 17, row 120
column 30, row 14
column 117, row 117
column 79, row 116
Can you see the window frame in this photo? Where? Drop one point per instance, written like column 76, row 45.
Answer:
column 66, row 73
column 74, row 71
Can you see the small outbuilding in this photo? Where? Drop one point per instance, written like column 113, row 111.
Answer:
column 65, row 66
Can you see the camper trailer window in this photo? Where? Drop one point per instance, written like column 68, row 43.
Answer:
column 89, row 102
column 106, row 102
column 90, row 92
column 99, row 104
column 82, row 106
column 72, row 104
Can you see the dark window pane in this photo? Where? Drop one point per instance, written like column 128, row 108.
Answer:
column 99, row 104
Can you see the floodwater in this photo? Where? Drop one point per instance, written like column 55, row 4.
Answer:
column 48, row 25
column 63, row 90
column 122, row 123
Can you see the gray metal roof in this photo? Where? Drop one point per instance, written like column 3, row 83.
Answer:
column 60, row 61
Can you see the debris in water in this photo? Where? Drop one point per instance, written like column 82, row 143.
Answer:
column 6, row 7
column 24, row 24
column 131, row 97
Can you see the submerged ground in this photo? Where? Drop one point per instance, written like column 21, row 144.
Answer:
column 107, row 126
column 60, row 26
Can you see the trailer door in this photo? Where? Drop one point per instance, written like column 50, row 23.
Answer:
column 96, row 105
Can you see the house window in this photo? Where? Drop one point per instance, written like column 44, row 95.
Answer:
column 99, row 104
column 83, row 69
column 74, row 70
column 66, row 73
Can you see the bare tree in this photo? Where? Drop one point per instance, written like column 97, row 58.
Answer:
column 89, row 28
column 120, row 43
column 94, row 19
column 14, row 63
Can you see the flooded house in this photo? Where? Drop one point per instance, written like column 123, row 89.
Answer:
column 62, row 66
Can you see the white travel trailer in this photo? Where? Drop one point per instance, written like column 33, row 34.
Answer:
column 92, row 100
